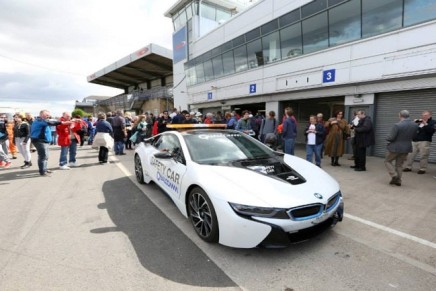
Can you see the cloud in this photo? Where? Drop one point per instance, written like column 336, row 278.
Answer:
column 48, row 47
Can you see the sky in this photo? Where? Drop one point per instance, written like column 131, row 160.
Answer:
column 49, row 47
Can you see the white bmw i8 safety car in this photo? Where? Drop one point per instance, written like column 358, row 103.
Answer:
column 236, row 190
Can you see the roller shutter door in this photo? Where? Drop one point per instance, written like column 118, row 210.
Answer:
column 389, row 104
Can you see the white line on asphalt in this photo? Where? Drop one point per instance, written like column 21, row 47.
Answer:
column 122, row 168
column 393, row 231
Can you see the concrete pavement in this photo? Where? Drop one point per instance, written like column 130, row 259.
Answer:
column 70, row 231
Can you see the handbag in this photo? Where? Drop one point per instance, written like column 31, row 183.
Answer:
column 345, row 135
column 134, row 137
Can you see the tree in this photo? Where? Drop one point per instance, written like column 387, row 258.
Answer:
column 78, row 111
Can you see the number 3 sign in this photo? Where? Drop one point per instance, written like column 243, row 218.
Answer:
column 328, row 76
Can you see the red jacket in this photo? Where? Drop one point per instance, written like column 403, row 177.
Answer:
column 63, row 130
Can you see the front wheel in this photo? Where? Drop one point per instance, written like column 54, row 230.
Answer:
column 138, row 170
column 202, row 215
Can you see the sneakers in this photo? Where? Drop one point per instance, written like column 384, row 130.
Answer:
column 73, row 164
column 8, row 165
column 26, row 165
column 395, row 181
column 64, row 167
column 407, row 170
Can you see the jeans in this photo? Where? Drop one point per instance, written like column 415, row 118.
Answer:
column 3, row 156
column 24, row 149
column 289, row 146
column 119, row 147
column 42, row 149
column 314, row 149
column 72, row 148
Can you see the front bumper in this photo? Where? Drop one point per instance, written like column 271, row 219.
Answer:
column 279, row 238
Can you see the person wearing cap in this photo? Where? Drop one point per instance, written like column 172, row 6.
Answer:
column 199, row 117
column 22, row 138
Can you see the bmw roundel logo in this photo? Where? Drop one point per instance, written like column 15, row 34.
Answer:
column 317, row 195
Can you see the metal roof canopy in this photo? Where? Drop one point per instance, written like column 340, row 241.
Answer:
column 148, row 63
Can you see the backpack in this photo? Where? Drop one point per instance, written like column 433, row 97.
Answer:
column 84, row 128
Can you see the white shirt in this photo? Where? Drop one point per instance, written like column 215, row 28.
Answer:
column 311, row 136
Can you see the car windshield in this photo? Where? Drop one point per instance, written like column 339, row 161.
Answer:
column 217, row 147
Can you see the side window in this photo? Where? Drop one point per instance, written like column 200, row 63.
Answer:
column 170, row 143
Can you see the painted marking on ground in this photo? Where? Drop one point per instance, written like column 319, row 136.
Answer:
column 393, row 231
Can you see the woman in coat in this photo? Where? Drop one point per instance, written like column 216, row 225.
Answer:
column 334, row 144
column 103, row 138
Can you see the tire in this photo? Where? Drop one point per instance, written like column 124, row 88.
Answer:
column 138, row 170
column 202, row 215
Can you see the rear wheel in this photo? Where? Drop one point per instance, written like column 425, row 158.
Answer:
column 138, row 170
column 202, row 215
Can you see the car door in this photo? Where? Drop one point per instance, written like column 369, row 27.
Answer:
column 169, row 164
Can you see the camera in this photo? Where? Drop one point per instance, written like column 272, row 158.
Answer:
column 418, row 120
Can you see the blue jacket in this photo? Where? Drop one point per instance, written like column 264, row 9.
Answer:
column 40, row 130
column 289, row 129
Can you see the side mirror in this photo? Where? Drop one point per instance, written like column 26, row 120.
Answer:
column 163, row 155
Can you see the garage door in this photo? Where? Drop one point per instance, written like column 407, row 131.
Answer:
column 389, row 104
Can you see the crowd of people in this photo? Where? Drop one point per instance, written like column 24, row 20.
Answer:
column 121, row 130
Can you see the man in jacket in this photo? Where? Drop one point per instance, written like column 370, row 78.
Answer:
column 120, row 132
column 399, row 145
column 421, row 143
column 68, row 138
column 363, row 138
column 289, row 133
column 4, row 159
column 40, row 135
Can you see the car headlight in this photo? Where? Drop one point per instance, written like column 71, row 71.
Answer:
column 247, row 210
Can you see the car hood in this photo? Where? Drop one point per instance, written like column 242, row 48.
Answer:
column 298, row 182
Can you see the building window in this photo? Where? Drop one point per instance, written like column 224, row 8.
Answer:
column 291, row 43
column 254, row 54
column 189, row 11
column 217, row 64
column 417, row 11
column 270, row 26
column 290, row 18
column 315, row 33
column 190, row 76
column 222, row 15
column 182, row 18
column 240, row 58
column 344, row 23
column 313, row 8
column 271, row 47
column 199, row 73
column 255, row 33
column 228, row 63
column 381, row 16
column 208, row 11
column 208, row 70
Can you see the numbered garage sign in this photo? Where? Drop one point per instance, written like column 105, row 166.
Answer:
column 328, row 76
